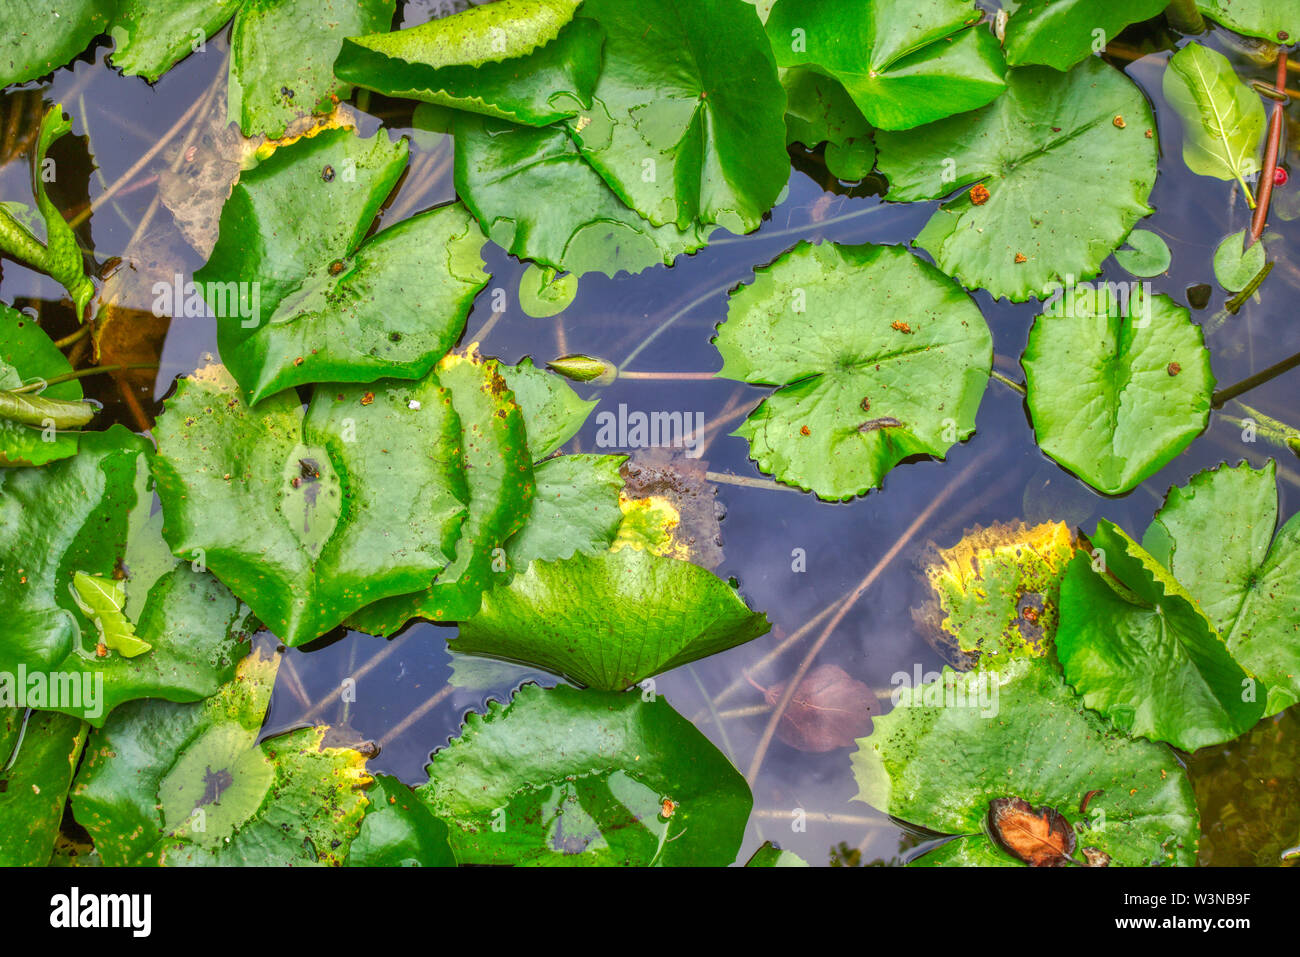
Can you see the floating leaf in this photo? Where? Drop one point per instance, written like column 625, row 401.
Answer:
column 150, row 37
column 1235, row 264
column 27, row 355
column 38, row 756
column 166, row 783
column 552, row 411
column 944, row 752
column 1037, row 836
column 282, row 56
column 1133, row 643
column 1223, row 119
column 819, row 110
column 39, row 36
column 498, row 466
column 526, row 61
column 998, row 588
column 1276, row 20
column 542, row 294
column 399, row 831
column 575, row 509
column 1215, row 534
column 1144, row 254
column 301, row 296
column 59, row 255
column 1060, row 33
column 89, row 514
column 829, row 710
column 1117, row 386
column 634, row 784
column 310, row 518
column 904, row 62
column 879, row 357
column 537, row 198
column 769, row 855
column 103, row 601
column 1067, row 165
column 608, row 621
column 687, row 121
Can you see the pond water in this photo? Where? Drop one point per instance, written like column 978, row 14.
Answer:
column 661, row 323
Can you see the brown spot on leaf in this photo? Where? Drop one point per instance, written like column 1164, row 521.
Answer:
column 1174, row 368
column 367, row 398
column 899, row 326
column 884, row 422
column 1021, row 258
column 1039, row 836
column 1119, row 121
column 979, row 194
column 804, row 430
column 1096, row 857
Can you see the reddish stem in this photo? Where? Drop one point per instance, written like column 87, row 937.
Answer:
column 1270, row 157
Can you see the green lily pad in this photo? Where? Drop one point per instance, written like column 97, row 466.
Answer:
column 26, row 355
column 1275, row 20
column 939, row 766
column 1068, row 166
column 152, row 36
column 819, row 110
column 611, row 620
column 879, row 357
column 34, row 782
column 543, row 294
column 527, row 61
column 1223, row 119
column 1134, row 644
column 302, row 296
column 1116, row 389
column 904, row 62
column 1215, row 534
column 191, row 784
column 635, row 784
column 575, row 509
column 1144, row 254
column 498, row 466
column 399, row 831
column 769, row 855
column 310, row 518
column 1235, row 264
column 89, row 516
column 39, row 36
column 1060, row 33
column 537, row 198
column 553, row 412
column 687, row 122
column 282, row 55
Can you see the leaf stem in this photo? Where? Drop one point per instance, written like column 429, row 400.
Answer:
column 72, row 338
column 1260, row 218
column 1184, row 17
column 1250, row 382
column 1009, row 383
column 80, row 374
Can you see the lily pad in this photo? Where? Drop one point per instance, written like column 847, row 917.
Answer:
column 1066, row 162
column 1134, row 644
column 769, row 855
column 879, row 357
column 1144, row 254
column 88, row 516
column 527, row 61
column 635, row 784
column 310, row 518
column 1060, row 33
column 37, row 761
column 302, row 296
column 940, row 766
column 1223, row 119
column 904, row 62
column 543, row 294
column 819, row 110
column 1275, row 20
column 687, row 121
column 498, row 465
column 39, row 36
column 1116, row 389
column 1215, row 534
column 1235, row 264
column 152, row 36
column 575, row 509
column 191, row 784
column 611, row 620
column 28, row 355
column 553, row 412
column 399, row 831
column 538, row 199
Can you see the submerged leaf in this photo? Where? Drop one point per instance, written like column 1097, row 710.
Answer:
column 1215, row 534
column 635, row 784
column 302, row 296
column 1134, row 644
column 1064, row 181
column 1117, row 386
column 829, row 710
column 904, row 62
column 879, row 357
column 611, row 620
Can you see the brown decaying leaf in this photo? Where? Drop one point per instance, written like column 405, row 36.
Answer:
column 1039, row 836
column 680, row 481
column 1096, row 857
column 829, row 710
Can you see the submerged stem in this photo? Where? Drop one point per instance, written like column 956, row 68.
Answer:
column 1009, row 383
column 1250, row 382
